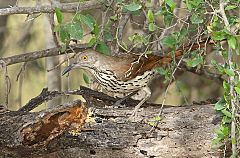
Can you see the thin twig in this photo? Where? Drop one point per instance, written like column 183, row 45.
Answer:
column 20, row 77
column 119, row 33
column 7, row 86
column 104, row 17
column 60, row 63
column 21, row 71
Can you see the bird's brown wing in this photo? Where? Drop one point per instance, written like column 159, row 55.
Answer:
column 120, row 65
column 131, row 65
column 128, row 66
column 142, row 64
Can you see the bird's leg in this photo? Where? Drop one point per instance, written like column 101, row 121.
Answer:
column 118, row 103
column 147, row 95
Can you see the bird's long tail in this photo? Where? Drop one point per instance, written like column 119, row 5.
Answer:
column 180, row 52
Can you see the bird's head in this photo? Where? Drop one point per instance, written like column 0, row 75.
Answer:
column 84, row 60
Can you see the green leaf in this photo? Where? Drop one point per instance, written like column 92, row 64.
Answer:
column 226, row 86
column 150, row 16
column 92, row 41
column 169, row 41
column 149, row 52
column 237, row 89
column 85, row 78
column 234, row 141
column 225, row 130
column 232, row 42
column 216, row 141
column 218, row 35
column 226, row 113
column 162, row 71
column 189, row 6
column 133, row 7
column 63, row 33
column 96, row 30
column 220, row 133
column 171, row 4
column 229, row 72
column 103, row 48
column 230, row 7
column 107, row 36
column 124, row 45
column 168, row 18
column 63, row 48
column 88, row 20
column 152, row 123
column 138, row 39
column 152, row 27
column 75, row 30
column 114, row 18
column 59, row 15
column 195, row 62
column 193, row 4
column 226, row 120
column 220, row 104
column 182, row 35
column 157, row 118
column 220, row 69
column 213, row 62
column 119, row 1
column 195, row 19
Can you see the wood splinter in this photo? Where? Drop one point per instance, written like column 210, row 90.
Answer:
column 49, row 125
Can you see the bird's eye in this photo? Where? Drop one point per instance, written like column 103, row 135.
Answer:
column 84, row 57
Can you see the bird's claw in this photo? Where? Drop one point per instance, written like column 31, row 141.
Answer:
column 133, row 116
column 118, row 104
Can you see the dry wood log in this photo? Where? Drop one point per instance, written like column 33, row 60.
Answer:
column 183, row 131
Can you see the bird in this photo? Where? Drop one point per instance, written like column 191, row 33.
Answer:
column 123, row 74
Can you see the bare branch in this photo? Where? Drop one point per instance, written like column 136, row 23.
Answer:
column 46, row 95
column 38, row 54
column 65, row 7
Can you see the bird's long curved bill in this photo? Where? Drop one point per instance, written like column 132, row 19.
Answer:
column 67, row 69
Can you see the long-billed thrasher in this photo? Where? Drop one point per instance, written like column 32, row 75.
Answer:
column 123, row 74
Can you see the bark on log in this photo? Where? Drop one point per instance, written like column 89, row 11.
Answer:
column 184, row 131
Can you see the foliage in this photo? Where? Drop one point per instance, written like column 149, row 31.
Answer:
column 201, row 18
column 222, row 29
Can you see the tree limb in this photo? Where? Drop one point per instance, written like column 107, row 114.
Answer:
column 38, row 54
column 64, row 7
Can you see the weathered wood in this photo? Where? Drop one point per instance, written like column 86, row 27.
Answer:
column 183, row 132
column 22, row 132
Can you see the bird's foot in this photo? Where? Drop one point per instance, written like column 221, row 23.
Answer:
column 118, row 104
column 133, row 116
